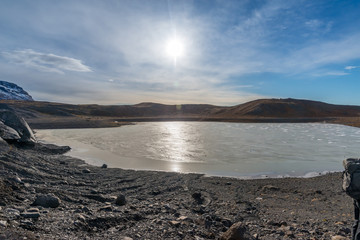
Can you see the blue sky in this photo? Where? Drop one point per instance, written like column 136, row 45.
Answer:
column 116, row 51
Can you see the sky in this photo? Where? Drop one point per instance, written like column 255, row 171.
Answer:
column 182, row 51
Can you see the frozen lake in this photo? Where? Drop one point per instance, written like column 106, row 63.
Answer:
column 221, row 149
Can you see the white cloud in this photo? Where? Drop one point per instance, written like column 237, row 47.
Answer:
column 351, row 67
column 45, row 62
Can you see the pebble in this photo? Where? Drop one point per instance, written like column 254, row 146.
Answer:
column 104, row 166
column 86, row 170
column 3, row 223
column 270, row 188
column 175, row 223
column 12, row 213
column 33, row 210
column 338, row 237
column 30, row 214
column 120, row 200
column 107, row 208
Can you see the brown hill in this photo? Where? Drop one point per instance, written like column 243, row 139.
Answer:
column 59, row 115
column 274, row 108
column 290, row 108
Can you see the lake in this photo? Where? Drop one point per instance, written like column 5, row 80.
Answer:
column 219, row 149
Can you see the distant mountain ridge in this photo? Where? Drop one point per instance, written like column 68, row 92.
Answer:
column 262, row 108
column 11, row 91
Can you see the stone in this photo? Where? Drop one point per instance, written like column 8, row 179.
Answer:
column 197, row 196
column 9, row 118
column 30, row 214
column 104, row 166
column 120, row 200
column 12, row 213
column 338, row 237
column 81, row 217
column 106, row 208
column 86, row 170
column 127, row 238
column 47, row 200
column 270, row 188
column 175, row 223
column 33, row 210
column 237, row 231
column 15, row 179
column 52, row 149
column 182, row 218
column 3, row 223
column 8, row 133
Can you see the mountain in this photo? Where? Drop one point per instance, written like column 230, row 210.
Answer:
column 11, row 91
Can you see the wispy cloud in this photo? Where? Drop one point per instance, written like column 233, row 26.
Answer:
column 45, row 62
column 351, row 67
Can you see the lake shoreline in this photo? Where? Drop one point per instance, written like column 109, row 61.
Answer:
column 42, row 122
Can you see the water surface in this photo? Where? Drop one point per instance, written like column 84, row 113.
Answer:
column 224, row 149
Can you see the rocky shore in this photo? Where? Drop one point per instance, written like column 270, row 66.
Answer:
column 46, row 195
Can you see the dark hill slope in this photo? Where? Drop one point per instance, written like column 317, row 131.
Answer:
column 126, row 111
column 263, row 108
column 290, row 108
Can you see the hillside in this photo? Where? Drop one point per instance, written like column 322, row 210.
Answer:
column 290, row 108
column 59, row 115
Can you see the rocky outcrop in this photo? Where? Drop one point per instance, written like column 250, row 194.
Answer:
column 14, row 128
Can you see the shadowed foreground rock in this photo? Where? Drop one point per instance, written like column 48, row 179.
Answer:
column 14, row 127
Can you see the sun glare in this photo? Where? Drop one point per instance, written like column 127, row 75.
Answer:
column 175, row 48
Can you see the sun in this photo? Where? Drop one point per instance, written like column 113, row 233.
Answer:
column 175, row 48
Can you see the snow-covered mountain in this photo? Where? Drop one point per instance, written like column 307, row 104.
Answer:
column 11, row 91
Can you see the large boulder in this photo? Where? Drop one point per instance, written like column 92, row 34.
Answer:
column 47, row 200
column 11, row 124
column 8, row 133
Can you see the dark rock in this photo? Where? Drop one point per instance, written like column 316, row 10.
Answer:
column 96, row 197
column 48, row 200
column 51, row 148
column 120, row 200
column 30, row 214
column 17, row 123
column 198, row 197
column 12, row 213
column 106, row 208
column 86, row 170
column 3, row 223
column 104, row 166
column 270, row 188
column 8, row 133
column 175, row 223
column 237, row 231
column 3, row 145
